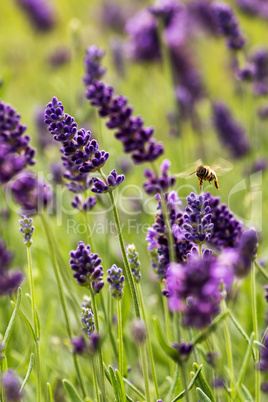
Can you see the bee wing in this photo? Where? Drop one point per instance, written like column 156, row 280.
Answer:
column 222, row 166
column 186, row 174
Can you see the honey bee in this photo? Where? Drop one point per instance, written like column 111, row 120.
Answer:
column 208, row 173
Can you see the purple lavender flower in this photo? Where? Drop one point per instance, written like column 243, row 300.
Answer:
column 166, row 10
column 247, row 250
column 81, row 205
column 159, row 183
column 10, row 280
column 254, row 8
column 87, row 320
column 263, row 363
column 15, row 152
column 138, row 331
column 88, row 271
column 201, row 11
column 197, row 218
column 131, row 132
column 260, row 61
column 134, row 263
column 60, row 56
column 226, row 230
column 113, row 181
column 228, row 25
column 231, row 134
column 11, row 385
column 92, row 63
column 184, row 350
column 194, row 288
column 247, row 73
column 157, row 237
column 79, row 345
column 114, row 15
column 144, row 44
column 266, row 292
column 40, row 13
column 31, row 193
column 26, row 230
column 116, row 280
column 81, row 155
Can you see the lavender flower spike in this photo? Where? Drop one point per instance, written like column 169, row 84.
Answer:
column 113, row 180
column 87, row 320
column 11, row 385
column 228, row 25
column 159, row 183
column 27, row 230
column 116, row 281
column 93, row 68
column 40, row 13
column 197, row 224
column 134, row 262
column 88, row 271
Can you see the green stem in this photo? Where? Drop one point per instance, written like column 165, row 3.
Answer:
column 35, row 324
column 255, row 328
column 53, row 256
column 148, row 340
column 120, row 339
column 145, row 372
column 228, row 348
column 95, row 380
column 184, row 381
column 200, row 250
column 260, row 268
column 174, row 383
column 127, row 270
column 96, row 321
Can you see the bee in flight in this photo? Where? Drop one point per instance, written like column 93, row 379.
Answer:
column 207, row 173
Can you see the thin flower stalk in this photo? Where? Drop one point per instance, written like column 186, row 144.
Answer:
column 255, row 328
column 120, row 338
column 34, row 317
column 51, row 245
column 100, row 357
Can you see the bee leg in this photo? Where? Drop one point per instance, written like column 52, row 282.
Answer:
column 217, row 185
column 200, row 185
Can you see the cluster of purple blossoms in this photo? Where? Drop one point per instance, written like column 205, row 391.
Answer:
column 87, row 268
column 26, row 230
column 116, row 280
column 254, row 8
column 144, row 44
column 94, row 70
column 157, row 236
column 159, row 183
column 41, row 14
column 10, row 280
column 228, row 25
column 197, row 219
column 81, row 154
column 113, row 180
column 87, row 320
column 136, row 138
column 15, row 152
column 134, row 262
column 12, row 385
column 85, row 205
column 231, row 134
column 194, row 288
column 246, row 252
column 226, row 229
column 31, row 193
column 259, row 59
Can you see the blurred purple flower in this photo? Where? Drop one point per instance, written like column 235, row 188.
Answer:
column 11, row 385
column 144, row 44
column 41, row 14
column 79, row 345
column 31, row 193
column 228, row 25
column 92, row 63
column 60, row 56
column 247, row 251
column 231, row 134
column 260, row 61
column 194, row 288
